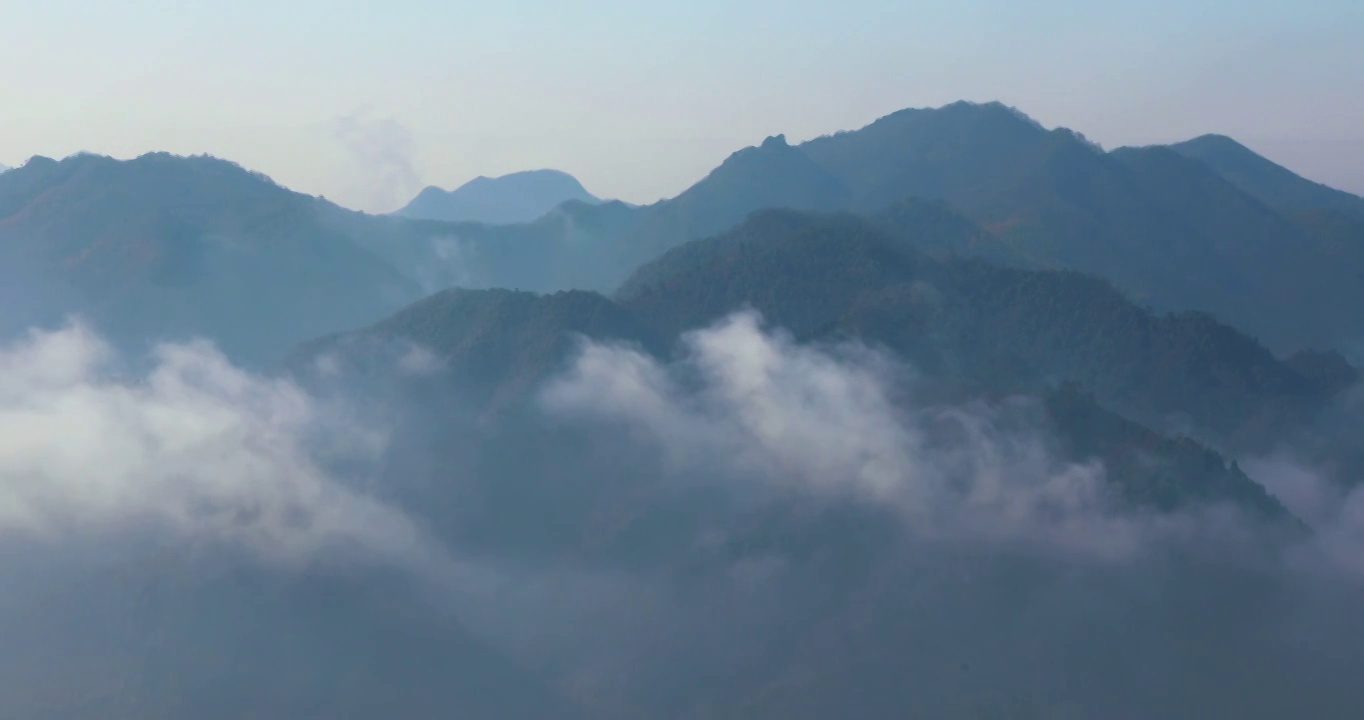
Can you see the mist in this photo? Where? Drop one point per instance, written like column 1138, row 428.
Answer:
column 196, row 540
column 381, row 148
column 652, row 537
column 662, row 535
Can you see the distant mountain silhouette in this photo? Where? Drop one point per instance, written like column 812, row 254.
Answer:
column 167, row 247
column 515, row 198
column 1269, row 182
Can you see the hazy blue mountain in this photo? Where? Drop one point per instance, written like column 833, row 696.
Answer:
column 972, row 155
column 580, row 245
column 516, row 198
column 1167, row 229
column 771, row 175
column 1269, row 182
column 165, row 247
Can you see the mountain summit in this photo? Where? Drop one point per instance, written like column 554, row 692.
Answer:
column 1269, row 182
column 516, row 198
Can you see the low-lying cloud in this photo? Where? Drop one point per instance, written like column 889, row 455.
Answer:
column 1183, row 614
column 842, row 421
column 196, row 447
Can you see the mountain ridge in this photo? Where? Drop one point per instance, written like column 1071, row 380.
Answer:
column 517, row 197
column 170, row 247
column 1270, row 182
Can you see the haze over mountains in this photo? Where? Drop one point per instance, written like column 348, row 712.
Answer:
column 949, row 416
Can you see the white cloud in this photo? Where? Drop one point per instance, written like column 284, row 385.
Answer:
column 832, row 421
column 196, row 446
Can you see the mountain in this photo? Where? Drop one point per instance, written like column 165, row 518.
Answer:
column 1166, row 228
column 834, row 277
column 997, row 327
column 734, row 600
column 1176, row 228
column 582, row 245
column 167, row 247
column 1267, row 181
column 515, row 198
column 771, row 175
column 494, row 345
column 934, row 228
column 975, row 156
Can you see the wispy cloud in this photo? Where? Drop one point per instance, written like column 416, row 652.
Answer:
column 382, row 149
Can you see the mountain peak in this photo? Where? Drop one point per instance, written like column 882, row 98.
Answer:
column 38, row 161
column 518, row 197
column 771, row 175
column 1267, row 181
column 775, row 141
column 1214, row 140
column 991, row 107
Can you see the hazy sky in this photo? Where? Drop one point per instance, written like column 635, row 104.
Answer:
column 365, row 102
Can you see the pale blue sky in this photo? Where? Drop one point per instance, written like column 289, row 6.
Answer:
column 365, row 102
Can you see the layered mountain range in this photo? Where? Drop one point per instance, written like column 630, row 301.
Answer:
column 853, row 427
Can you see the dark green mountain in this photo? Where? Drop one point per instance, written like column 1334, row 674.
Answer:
column 495, row 345
column 515, row 198
column 998, row 327
column 934, row 228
